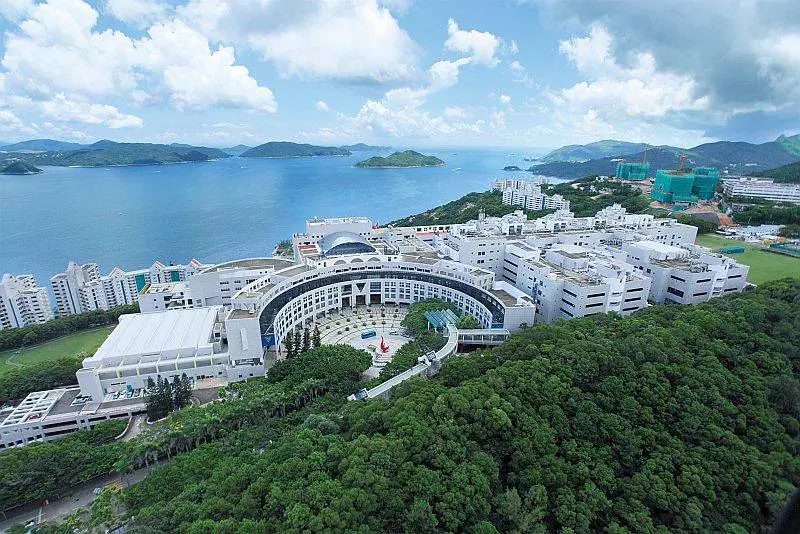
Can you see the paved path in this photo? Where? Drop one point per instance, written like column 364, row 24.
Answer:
column 76, row 497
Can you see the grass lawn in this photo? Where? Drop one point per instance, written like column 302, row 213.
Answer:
column 764, row 266
column 88, row 340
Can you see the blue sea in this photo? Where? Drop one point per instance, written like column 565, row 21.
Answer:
column 214, row 211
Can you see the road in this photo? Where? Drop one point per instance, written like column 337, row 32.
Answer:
column 78, row 496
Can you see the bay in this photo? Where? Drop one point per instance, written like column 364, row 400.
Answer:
column 214, row 211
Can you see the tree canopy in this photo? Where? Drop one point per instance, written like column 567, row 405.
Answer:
column 673, row 419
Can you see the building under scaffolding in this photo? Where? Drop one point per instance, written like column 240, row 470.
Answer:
column 684, row 185
column 632, row 171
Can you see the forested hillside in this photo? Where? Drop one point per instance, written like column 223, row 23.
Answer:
column 675, row 419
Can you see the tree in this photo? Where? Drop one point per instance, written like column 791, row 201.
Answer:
column 306, row 340
column 298, row 341
column 467, row 322
column 152, row 401
column 316, row 339
column 288, row 343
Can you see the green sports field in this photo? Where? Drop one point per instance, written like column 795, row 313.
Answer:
column 88, row 341
column 764, row 266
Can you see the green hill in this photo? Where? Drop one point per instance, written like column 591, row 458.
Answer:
column 408, row 158
column 362, row 147
column 285, row 149
column 598, row 149
column 734, row 156
column 20, row 167
column 791, row 144
column 787, row 173
column 41, row 145
column 109, row 153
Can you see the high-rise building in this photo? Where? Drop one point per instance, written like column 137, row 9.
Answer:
column 73, row 290
column 23, row 303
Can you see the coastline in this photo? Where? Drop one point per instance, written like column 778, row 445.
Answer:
column 397, row 166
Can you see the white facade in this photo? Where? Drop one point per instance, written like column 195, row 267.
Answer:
column 216, row 285
column 49, row 415
column 528, row 194
column 685, row 275
column 166, row 344
column 758, row 188
column 22, row 303
column 81, row 288
column 569, row 281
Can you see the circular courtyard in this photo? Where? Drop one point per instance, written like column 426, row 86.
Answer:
column 354, row 327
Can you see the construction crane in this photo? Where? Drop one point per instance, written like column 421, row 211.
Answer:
column 681, row 161
column 644, row 159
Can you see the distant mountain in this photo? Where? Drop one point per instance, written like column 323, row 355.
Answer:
column 19, row 167
column 285, row 149
column 237, row 150
column 41, row 145
column 596, row 150
column 361, row 147
column 736, row 157
column 792, row 144
column 109, row 153
column 408, row 158
column 787, row 173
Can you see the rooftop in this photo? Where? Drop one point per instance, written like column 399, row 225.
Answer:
column 251, row 263
column 182, row 331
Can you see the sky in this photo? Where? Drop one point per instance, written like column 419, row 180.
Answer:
column 400, row 72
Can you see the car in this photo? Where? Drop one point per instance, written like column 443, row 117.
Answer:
column 97, row 491
column 394, row 332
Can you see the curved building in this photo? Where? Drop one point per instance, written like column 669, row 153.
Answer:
column 296, row 296
column 341, row 243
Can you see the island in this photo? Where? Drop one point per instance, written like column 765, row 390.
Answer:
column 19, row 168
column 408, row 158
column 109, row 154
column 362, row 147
column 285, row 149
column 511, row 168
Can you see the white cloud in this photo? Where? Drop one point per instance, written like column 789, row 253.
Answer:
column 504, row 99
column 455, row 112
column 321, row 105
column 639, row 90
column 63, row 109
column 59, row 60
column 514, row 48
column 64, row 132
column 779, row 62
column 380, row 120
column 480, row 46
column 349, row 40
column 197, row 77
column 138, row 12
column 57, row 51
column 14, row 10
column 520, row 74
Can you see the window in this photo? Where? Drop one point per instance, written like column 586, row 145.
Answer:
column 674, row 291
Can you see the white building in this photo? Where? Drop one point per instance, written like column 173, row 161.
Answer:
column 81, row 288
column 569, row 281
column 23, row 303
column 528, row 194
column 685, row 275
column 743, row 186
column 166, row 344
column 216, row 285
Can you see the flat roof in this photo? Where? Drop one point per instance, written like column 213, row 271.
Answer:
column 251, row 263
column 660, row 247
column 156, row 333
